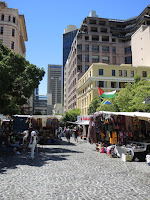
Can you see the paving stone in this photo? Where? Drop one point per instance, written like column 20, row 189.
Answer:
column 72, row 171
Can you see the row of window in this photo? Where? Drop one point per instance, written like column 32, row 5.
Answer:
column 9, row 18
column 96, row 48
column 105, row 59
column 96, row 38
column 112, row 84
column 122, row 73
column 101, row 22
column 2, row 31
column 102, row 30
column 104, row 48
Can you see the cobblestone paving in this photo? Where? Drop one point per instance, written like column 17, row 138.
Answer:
column 71, row 172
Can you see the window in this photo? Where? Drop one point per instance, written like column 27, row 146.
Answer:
column 128, row 60
column 92, row 21
column 125, row 73
column 113, row 84
column 128, row 50
column 105, row 49
column 86, row 47
column 95, row 37
column 2, row 17
column 13, row 32
column 113, row 72
column 14, row 19
column 86, row 67
column 95, row 58
column 122, row 84
column 95, row 48
column 104, row 30
column 100, row 71
column 86, row 58
column 113, row 49
column 79, row 47
column 113, row 40
column 2, row 29
column 79, row 57
column 105, row 38
column 12, row 45
column 102, row 23
column 120, row 72
column 9, row 18
column 101, row 84
column 144, row 73
column 79, row 68
column 132, row 73
column 93, row 29
column 105, row 59
column 86, row 37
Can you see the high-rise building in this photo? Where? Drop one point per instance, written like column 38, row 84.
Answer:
column 68, row 37
column 54, row 83
column 13, row 32
column 99, row 40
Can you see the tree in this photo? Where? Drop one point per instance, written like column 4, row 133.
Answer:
column 71, row 116
column 94, row 105
column 18, row 79
column 107, row 107
column 130, row 98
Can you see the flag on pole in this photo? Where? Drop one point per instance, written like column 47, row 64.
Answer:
column 106, row 94
column 106, row 102
column 100, row 91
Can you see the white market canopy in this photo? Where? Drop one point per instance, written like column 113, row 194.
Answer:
column 79, row 123
column 40, row 116
column 140, row 115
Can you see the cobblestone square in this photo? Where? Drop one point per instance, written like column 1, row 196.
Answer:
column 72, row 171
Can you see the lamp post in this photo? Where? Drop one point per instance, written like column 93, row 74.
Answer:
column 56, row 79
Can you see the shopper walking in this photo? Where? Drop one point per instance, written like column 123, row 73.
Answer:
column 33, row 142
column 68, row 132
column 75, row 130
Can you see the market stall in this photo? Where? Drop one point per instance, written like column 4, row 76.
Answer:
column 128, row 131
column 46, row 125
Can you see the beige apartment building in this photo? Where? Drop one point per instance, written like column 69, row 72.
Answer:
column 108, row 78
column 140, row 42
column 13, row 32
column 99, row 40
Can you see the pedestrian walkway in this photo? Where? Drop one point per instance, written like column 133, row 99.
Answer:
column 72, row 171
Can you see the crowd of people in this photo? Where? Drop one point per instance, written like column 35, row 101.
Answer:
column 69, row 132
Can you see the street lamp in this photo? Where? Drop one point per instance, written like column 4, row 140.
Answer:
column 56, row 79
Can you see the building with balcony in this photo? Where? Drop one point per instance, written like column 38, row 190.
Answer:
column 108, row 78
column 13, row 32
column 99, row 40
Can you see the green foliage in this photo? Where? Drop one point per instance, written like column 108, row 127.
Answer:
column 94, row 105
column 130, row 98
column 106, row 107
column 71, row 116
column 18, row 79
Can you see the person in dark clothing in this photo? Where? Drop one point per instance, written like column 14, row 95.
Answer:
column 75, row 131
column 68, row 132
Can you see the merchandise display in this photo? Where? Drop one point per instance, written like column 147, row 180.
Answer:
column 128, row 137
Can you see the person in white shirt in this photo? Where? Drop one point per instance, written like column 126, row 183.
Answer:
column 33, row 142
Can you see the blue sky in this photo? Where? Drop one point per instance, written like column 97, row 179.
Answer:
column 47, row 19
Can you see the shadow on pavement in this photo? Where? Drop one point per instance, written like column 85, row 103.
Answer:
column 44, row 155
